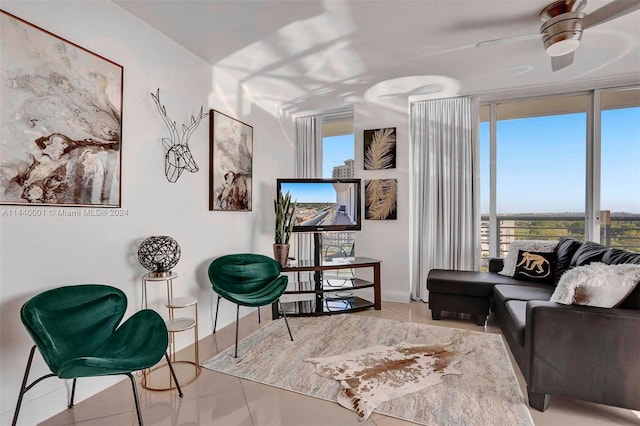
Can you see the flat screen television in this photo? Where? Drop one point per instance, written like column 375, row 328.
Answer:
column 324, row 204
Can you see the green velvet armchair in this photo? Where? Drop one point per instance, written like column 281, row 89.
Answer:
column 247, row 280
column 75, row 329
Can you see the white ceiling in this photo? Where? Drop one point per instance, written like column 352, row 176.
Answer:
column 314, row 55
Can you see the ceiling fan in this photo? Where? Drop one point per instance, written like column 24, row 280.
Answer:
column 563, row 24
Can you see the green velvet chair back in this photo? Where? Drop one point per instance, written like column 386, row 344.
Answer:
column 244, row 273
column 69, row 322
column 77, row 331
column 247, row 279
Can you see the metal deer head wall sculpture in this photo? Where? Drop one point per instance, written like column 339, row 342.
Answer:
column 178, row 157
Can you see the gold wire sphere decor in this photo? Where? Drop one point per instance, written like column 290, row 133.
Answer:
column 159, row 254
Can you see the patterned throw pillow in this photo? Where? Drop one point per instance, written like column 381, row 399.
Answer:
column 510, row 261
column 535, row 266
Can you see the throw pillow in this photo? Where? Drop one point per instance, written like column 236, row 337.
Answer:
column 535, row 266
column 511, row 260
column 597, row 284
column 617, row 256
column 588, row 252
column 564, row 251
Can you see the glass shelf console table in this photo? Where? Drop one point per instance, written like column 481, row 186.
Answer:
column 333, row 287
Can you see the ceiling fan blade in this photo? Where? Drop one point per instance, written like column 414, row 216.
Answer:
column 559, row 62
column 613, row 10
column 508, row 39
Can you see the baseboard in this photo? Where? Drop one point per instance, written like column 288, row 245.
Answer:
column 396, row 296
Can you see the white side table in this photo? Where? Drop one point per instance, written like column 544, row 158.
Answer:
column 187, row 370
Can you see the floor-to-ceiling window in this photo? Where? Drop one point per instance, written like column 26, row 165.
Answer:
column 557, row 165
column 620, row 168
column 486, row 167
column 338, row 153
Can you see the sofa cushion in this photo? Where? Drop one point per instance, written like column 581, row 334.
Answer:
column 516, row 319
column 496, row 264
column 587, row 253
column 522, row 292
column 597, row 284
column 511, row 259
column 467, row 283
column 632, row 301
column 564, row 252
column 535, row 266
column 615, row 256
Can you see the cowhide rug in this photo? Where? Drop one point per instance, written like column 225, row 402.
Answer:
column 371, row 376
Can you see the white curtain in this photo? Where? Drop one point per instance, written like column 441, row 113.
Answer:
column 308, row 165
column 308, row 146
column 445, row 192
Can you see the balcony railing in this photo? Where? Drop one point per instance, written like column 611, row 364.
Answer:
column 338, row 244
column 622, row 231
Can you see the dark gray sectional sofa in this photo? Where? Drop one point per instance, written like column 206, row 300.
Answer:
column 581, row 352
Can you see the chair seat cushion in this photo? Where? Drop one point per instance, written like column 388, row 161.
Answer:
column 243, row 273
column 516, row 319
column 139, row 343
column 264, row 296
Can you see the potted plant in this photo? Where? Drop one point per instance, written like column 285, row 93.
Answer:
column 285, row 214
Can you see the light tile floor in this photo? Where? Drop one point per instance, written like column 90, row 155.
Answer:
column 220, row 400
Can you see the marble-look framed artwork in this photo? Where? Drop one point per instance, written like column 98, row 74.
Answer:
column 230, row 163
column 60, row 120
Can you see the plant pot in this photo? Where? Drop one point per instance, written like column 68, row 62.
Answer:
column 281, row 253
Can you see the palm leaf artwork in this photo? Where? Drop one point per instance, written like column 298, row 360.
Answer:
column 381, row 196
column 380, row 153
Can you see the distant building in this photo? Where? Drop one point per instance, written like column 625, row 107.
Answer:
column 343, row 172
column 507, row 235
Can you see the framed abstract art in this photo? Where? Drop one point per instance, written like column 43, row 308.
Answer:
column 230, row 163
column 60, row 120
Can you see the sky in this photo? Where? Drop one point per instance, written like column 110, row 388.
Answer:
column 310, row 192
column 541, row 163
column 335, row 150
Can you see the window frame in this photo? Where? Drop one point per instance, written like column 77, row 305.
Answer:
column 593, row 219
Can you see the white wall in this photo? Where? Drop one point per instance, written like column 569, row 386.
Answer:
column 387, row 240
column 39, row 253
